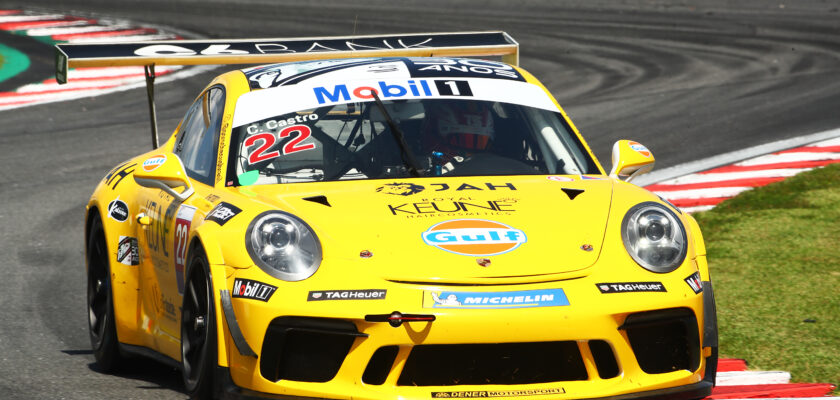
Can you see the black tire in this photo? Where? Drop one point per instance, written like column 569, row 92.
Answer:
column 198, row 329
column 101, row 323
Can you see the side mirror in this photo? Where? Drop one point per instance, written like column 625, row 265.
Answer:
column 166, row 172
column 630, row 159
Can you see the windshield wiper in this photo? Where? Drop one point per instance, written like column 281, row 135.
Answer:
column 407, row 157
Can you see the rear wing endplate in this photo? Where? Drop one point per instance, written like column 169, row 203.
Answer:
column 267, row 51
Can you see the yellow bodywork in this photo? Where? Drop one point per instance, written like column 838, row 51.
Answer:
column 572, row 244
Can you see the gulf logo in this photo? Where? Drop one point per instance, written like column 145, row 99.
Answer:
column 640, row 148
column 152, row 163
column 474, row 237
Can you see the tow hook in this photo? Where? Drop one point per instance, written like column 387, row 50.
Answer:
column 396, row 318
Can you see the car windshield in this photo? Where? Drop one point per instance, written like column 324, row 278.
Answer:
column 440, row 137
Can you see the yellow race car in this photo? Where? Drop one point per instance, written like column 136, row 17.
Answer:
column 378, row 217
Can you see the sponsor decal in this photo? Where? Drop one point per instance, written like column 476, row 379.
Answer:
column 630, row 287
column 496, row 393
column 561, row 179
column 474, row 237
column 385, row 90
column 157, row 233
column 695, row 283
column 400, row 188
column 153, row 163
column 516, row 299
column 222, row 213
column 640, row 148
column 360, row 294
column 461, row 67
column 461, row 208
column 591, row 178
column 128, row 252
column 118, row 210
column 407, row 188
column 254, row 290
column 212, row 198
column 222, row 147
column 168, row 308
column 183, row 220
column 118, row 174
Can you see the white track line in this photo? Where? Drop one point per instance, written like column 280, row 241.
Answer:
column 742, row 378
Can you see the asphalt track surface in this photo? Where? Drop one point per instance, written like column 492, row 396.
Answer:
column 688, row 79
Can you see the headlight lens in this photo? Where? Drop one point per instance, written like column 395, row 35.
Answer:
column 283, row 246
column 654, row 237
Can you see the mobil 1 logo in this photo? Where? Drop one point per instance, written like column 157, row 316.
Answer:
column 453, row 88
column 255, row 290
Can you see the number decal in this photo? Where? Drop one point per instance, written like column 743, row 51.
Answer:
column 453, row 87
column 293, row 146
column 182, row 233
column 259, row 154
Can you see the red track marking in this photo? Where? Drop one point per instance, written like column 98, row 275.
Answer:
column 710, row 201
column 770, row 391
column 783, row 165
column 9, row 12
column 18, row 26
column 123, row 32
column 812, row 149
column 731, row 364
column 750, row 182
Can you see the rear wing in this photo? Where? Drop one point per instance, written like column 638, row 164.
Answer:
column 267, row 51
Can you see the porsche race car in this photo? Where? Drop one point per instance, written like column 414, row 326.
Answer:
column 389, row 217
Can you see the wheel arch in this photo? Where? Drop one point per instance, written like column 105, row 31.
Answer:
column 218, row 279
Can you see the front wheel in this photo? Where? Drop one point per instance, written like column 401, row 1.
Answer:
column 198, row 329
column 100, row 304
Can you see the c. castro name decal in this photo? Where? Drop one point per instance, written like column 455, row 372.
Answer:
column 474, row 237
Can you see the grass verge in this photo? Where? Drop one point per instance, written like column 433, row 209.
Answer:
column 774, row 255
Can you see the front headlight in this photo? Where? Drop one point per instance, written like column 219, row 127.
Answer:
column 283, row 246
column 654, row 237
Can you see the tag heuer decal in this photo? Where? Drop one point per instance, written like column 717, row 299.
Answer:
column 629, row 287
column 361, row 294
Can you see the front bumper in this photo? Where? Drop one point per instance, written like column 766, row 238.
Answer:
column 616, row 346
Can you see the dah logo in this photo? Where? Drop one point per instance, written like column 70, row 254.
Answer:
column 151, row 164
column 474, row 237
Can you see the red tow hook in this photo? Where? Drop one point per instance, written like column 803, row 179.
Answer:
column 396, row 318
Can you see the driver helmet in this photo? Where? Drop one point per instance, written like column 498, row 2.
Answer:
column 468, row 125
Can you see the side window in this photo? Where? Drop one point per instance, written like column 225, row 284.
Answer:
column 199, row 135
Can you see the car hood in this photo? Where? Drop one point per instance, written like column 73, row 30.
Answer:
column 453, row 229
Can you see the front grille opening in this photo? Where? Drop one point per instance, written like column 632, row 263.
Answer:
column 604, row 359
column 305, row 349
column 380, row 365
column 493, row 364
column 664, row 341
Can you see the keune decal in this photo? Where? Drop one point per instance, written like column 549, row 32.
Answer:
column 631, row 287
column 254, row 290
column 695, row 283
column 474, row 237
column 360, row 294
column 516, row 299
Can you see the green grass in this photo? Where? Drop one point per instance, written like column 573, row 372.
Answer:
column 774, row 255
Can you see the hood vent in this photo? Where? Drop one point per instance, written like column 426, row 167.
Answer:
column 319, row 200
column 572, row 193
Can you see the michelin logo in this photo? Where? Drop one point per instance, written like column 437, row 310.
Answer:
column 518, row 299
